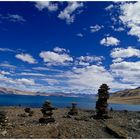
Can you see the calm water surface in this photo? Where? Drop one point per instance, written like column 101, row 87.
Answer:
column 36, row 101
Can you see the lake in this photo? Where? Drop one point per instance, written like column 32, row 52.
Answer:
column 37, row 101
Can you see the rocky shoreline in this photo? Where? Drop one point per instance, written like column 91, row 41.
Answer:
column 125, row 123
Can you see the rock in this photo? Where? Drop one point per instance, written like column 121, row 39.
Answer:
column 81, row 118
column 125, row 111
column 23, row 115
column 116, row 131
column 29, row 111
column 3, row 133
column 46, row 120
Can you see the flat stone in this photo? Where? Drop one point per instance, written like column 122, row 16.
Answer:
column 116, row 131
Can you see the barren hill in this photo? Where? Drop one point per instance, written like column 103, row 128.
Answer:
column 128, row 96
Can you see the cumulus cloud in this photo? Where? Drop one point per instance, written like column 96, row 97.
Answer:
column 130, row 15
column 95, row 28
column 125, row 52
column 68, row 14
column 88, row 60
column 53, row 58
column 117, row 60
column 110, row 41
column 17, row 83
column 26, row 81
column 26, row 58
column 51, row 6
column 127, row 72
column 82, row 81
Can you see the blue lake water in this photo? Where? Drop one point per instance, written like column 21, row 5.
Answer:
column 36, row 101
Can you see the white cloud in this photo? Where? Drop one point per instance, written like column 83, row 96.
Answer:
column 118, row 29
column 51, row 6
column 68, row 14
column 60, row 50
column 88, row 60
column 50, row 81
column 7, row 65
column 108, row 8
column 26, row 81
column 130, row 17
column 110, row 41
column 5, row 73
column 31, row 74
column 127, row 71
column 125, row 53
column 7, row 50
column 117, row 60
column 79, row 35
column 26, row 58
column 13, row 18
column 80, row 80
column 55, row 58
column 47, row 69
column 95, row 28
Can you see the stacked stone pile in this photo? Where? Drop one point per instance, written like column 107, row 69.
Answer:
column 101, row 104
column 28, row 111
column 73, row 110
column 47, row 111
column 3, row 118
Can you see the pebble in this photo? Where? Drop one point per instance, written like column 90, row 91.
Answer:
column 3, row 133
column 31, row 136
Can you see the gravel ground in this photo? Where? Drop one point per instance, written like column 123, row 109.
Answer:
column 80, row 126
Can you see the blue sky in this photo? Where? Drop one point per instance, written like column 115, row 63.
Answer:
column 69, row 46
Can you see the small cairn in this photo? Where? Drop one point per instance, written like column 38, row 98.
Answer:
column 3, row 118
column 28, row 111
column 47, row 111
column 73, row 110
column 101, row 104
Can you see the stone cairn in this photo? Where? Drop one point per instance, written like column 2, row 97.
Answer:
column 28, row 111
column 73, row 110
column 101, row 104
column 3, row 118
column 47, row 111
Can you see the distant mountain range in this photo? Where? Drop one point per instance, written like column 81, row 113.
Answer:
column 127, row 93
column 4, row 90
